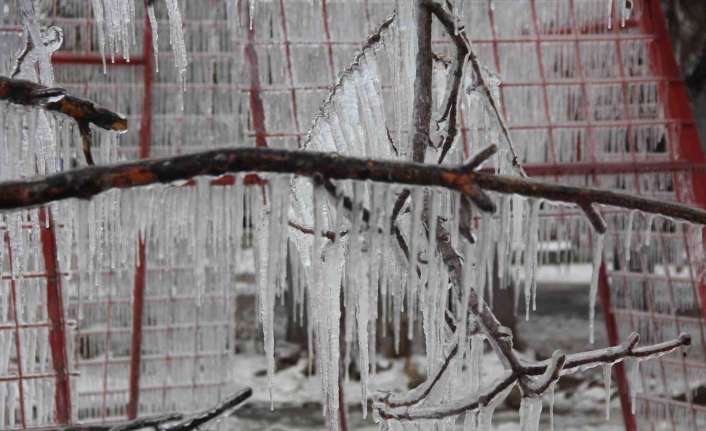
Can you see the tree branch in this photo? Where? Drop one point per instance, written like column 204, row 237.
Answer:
column 87, row 182
column 421, row 114
column 592, row 358
column 460, row 38
column 171, row 421
column 84, row 112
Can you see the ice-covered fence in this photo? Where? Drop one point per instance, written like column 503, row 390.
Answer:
column 587, row 103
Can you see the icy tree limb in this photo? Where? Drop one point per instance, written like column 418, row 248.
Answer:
column 84, row 112
column 310, row 231
column 373, row 41
column 462, row 44
column 28, row 46
column 421, row 114
column 447, row 19
column 547, row 368
column 551, row 374
column 196, row 421
column 135, row 424
column 594, row 217
column 171, row 421
column 87, row 182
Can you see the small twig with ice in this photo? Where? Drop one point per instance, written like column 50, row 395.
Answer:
column 84, row 112
column 171, row 421
column 549, row 370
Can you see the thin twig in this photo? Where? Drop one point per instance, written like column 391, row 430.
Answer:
column 421, row 109
column 462, row 44
column 448, row 20
column 84, row 112
column 592, row 358
column 171, row 421
column 309, row 231
column 135, row 424
column 197, row 420
column 372, row 43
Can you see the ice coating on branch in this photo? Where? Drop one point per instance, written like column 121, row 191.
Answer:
column 593, row 292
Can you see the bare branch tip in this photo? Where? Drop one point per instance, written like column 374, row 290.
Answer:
column 596, row 219
column 632, row 341
column 685, row 339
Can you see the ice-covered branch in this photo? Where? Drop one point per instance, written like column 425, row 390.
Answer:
column 461, row 40
column 87, row 182
column 171, row 421
column 550, row 371
column 462, row 44
column 84, row 112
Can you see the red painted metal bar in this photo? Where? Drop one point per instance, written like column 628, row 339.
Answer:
column 676, row 103
column 256, row 106
column 93, row 59
column 614, row 340
column 136, row 346
column 290, row 75
column 141, row 264
column 18, row 337
column 327, row 40
column 687, row 146
column 55, row 312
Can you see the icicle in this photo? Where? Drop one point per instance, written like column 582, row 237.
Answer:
column 414, row 247
column 251, row 13
column 531, row 257
column 606, row 381
column 530, row 413
column 475, row 363
column 597, row 260
column 628, row 235
column 551, row 390
column 632, row 368
column 610, row 14
column 155, row 36
column 625, row 11
column 470, row 421
column 485, row 413
column 176, row 40
column 99, row 17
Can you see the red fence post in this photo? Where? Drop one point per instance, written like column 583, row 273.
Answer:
column 136, row 347
column 18, row 342
column 677, row 105
column 141, row 265
column 55, row 312
column 256, row 106
column 611, row 326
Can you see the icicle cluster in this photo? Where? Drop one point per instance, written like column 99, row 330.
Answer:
column 116, row 23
